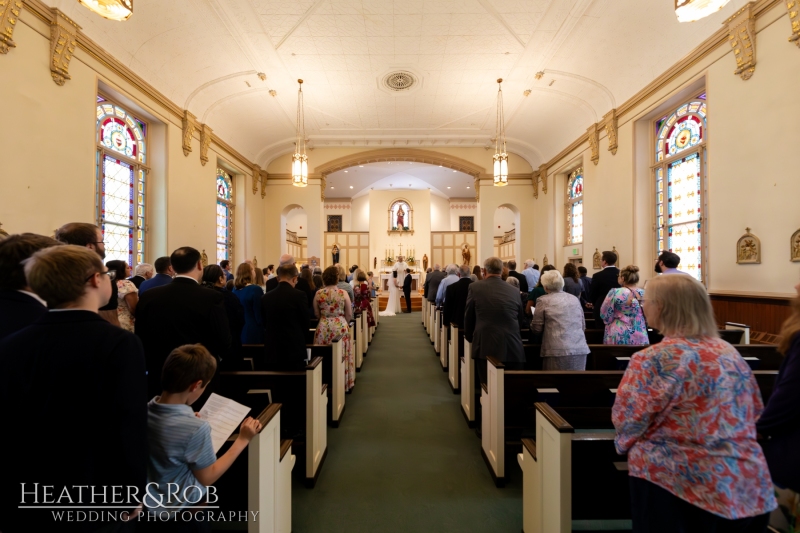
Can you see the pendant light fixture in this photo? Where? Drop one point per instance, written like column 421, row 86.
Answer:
column 692, row 10
column 300, row 159
column 500, row 155
column 111, row 9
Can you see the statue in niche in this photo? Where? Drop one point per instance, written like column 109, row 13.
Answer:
column 374, row 263
column 795, row 242
column 748, row 249
column 425, row 262
column 401, row 215
column 614, row 250
column 545, row 262
column 465, row 254
column 335, row 254
column 255, row 262
column 204, row 258
column 596, row 260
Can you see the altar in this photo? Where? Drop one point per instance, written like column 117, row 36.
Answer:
column 386, row 276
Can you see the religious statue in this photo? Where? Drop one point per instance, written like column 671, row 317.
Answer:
column 335, row 254
column 545, row 262
column 795, row 246
column 465, row 254
column 425, row 262
column 614, row 250
column 204, row 258
column 596, row 260
column 255, row 262
column 374, row 263
column 400, row 217
column 4, row 233
column 748, row 249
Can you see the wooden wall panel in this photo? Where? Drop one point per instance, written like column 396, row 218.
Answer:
column 353, row 249
column 760, row 313
column 446, row 247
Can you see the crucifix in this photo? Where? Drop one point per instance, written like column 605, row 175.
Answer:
column 401, row 248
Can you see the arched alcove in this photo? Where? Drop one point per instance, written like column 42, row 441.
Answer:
column 506, row 233
column 294, row 229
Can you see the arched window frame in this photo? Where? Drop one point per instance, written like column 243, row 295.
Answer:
column 225, row 209
column 574, row 206
column 112, row 165
column 680, row 227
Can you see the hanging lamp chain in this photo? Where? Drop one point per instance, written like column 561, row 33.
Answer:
column 500, row 133
column 301, row 122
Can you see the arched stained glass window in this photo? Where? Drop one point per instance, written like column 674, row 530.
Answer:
column 224, row 215
column 574, row 207
column 121, row 171
column 679, row 184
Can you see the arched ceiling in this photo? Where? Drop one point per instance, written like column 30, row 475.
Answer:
column 358, row 180
column 206, row 55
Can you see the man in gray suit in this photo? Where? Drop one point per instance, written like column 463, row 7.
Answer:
column 491, row 320
column 432, row 282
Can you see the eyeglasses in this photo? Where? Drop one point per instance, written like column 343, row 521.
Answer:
column 110, row 273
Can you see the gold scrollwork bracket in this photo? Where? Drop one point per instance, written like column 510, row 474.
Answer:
column 9, row 14
column 256, row 177
column 205, row 142
column 189, row 124
column 610, row 120
column 535, row 181
column 742, row 36
column 593, row 134
column 264, row 175
column 543, row 178
column 794, row 10
column 63, row 40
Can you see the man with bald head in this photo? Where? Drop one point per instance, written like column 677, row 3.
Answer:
column 285, row 260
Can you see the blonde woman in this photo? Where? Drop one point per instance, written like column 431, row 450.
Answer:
column 685, row 414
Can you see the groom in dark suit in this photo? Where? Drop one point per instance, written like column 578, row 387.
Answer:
column 407, row 290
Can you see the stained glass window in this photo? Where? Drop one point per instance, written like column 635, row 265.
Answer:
column 574, row 207
column 224, row 215
column 679, row 184
column 121, row 142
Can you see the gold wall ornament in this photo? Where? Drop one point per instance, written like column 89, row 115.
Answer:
column 9, row 14
column 119, row 10
column 596, row 258
column 264, row 175
column 794, row 245
column 615, row 252
column 3, row 233
column 742, row 36
column 63, row 40
column 610, row 120
column 205, row 142
column 256, row 177
column 594, row 142
column 543, row 178
column 535, row 180
column 545, row 262
column 255, row 262
column 204, row 258
column 748, row 249
column 794, row 18
column 189, row 125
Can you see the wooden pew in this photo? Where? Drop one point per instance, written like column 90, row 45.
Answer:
column 262, row 476
column 304, row 401
column 431, row 321
column 444, row 341
column 333, row 372
column 454, row 353
column 467, row 365
column 357, row 339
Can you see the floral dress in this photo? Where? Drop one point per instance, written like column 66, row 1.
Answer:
column 332, row 323
column 362, row 302
column 622, row 314
column 126, row 318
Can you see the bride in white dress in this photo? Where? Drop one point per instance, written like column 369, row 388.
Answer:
column 393, row 306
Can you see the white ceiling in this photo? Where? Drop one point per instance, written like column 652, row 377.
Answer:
column 403, row 175
column 204, row 55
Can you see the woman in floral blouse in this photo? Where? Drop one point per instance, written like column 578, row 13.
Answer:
column 333, row 308
column 622, row 311
column 685, row 414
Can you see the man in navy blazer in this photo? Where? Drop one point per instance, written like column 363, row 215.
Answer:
column 19, row 305
column 164, row 274
column 602, row 282
column 67, row 377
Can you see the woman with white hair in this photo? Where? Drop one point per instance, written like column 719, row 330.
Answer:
column 685, row 413
column 560, row 316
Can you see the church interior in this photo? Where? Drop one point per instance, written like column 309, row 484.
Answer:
column 429, row 133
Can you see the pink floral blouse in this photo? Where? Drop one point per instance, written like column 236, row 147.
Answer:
column 685, row 413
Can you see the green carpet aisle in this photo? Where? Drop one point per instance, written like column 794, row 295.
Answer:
column 403, row 459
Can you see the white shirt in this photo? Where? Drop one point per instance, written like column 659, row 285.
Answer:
column 34, row 296
column 185, row 276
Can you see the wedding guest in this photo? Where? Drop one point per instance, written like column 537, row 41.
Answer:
column 343, row 283
column 19, row 305
column 455, row 302
column 249, row 295
column 476, row 271
column 164, row 275
column 127, row 293
column 523, row 280
column 142, row 273
column 270, row 273
column 432, row 282
column 523, row 319
column 305, row 284
column 226, row 267
column 452, row 277
column 685, row 414
column 531, row 273
column 214, row 278
column 559, row 316
column 363, row 296
column 602, row 282
column 259, row 280
column 333, row 308
column 285, row 313
column 318, row 284
column 371, row 284
column 572, row 280
column 779, row 425
column 622, row 311
column 667, row 263
column 586, row 285
column 537, row 291
column 285, row 260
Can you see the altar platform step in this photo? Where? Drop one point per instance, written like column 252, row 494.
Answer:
column 416, row 302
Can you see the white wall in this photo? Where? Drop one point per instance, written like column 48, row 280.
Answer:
column 462, row 208
column 343, row 207
column 504, row 220
column 440, row 214
column 297, row 221
column 420, row 202
column 359, row 220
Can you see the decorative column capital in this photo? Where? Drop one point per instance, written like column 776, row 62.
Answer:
column 205, row 142
column 256, row 177
column 63, row 40
column 793, row 9
column 189, row 123
column 9, row 14
column 535, row 181
column 543, row 178
column 610, row 120
column 593, row 135
column 264, row 175
column 742, row 36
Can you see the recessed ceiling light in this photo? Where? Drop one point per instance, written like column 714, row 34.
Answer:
column 331, row 186
column 345, row 171
column 448, row 187
column 360, row 166
column 440, row 166
column 455, row 171
column 467, row 186
column 351, row 186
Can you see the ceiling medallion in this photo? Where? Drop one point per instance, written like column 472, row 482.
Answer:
column 399, row 81
column 111, row 9
column 692, row 10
